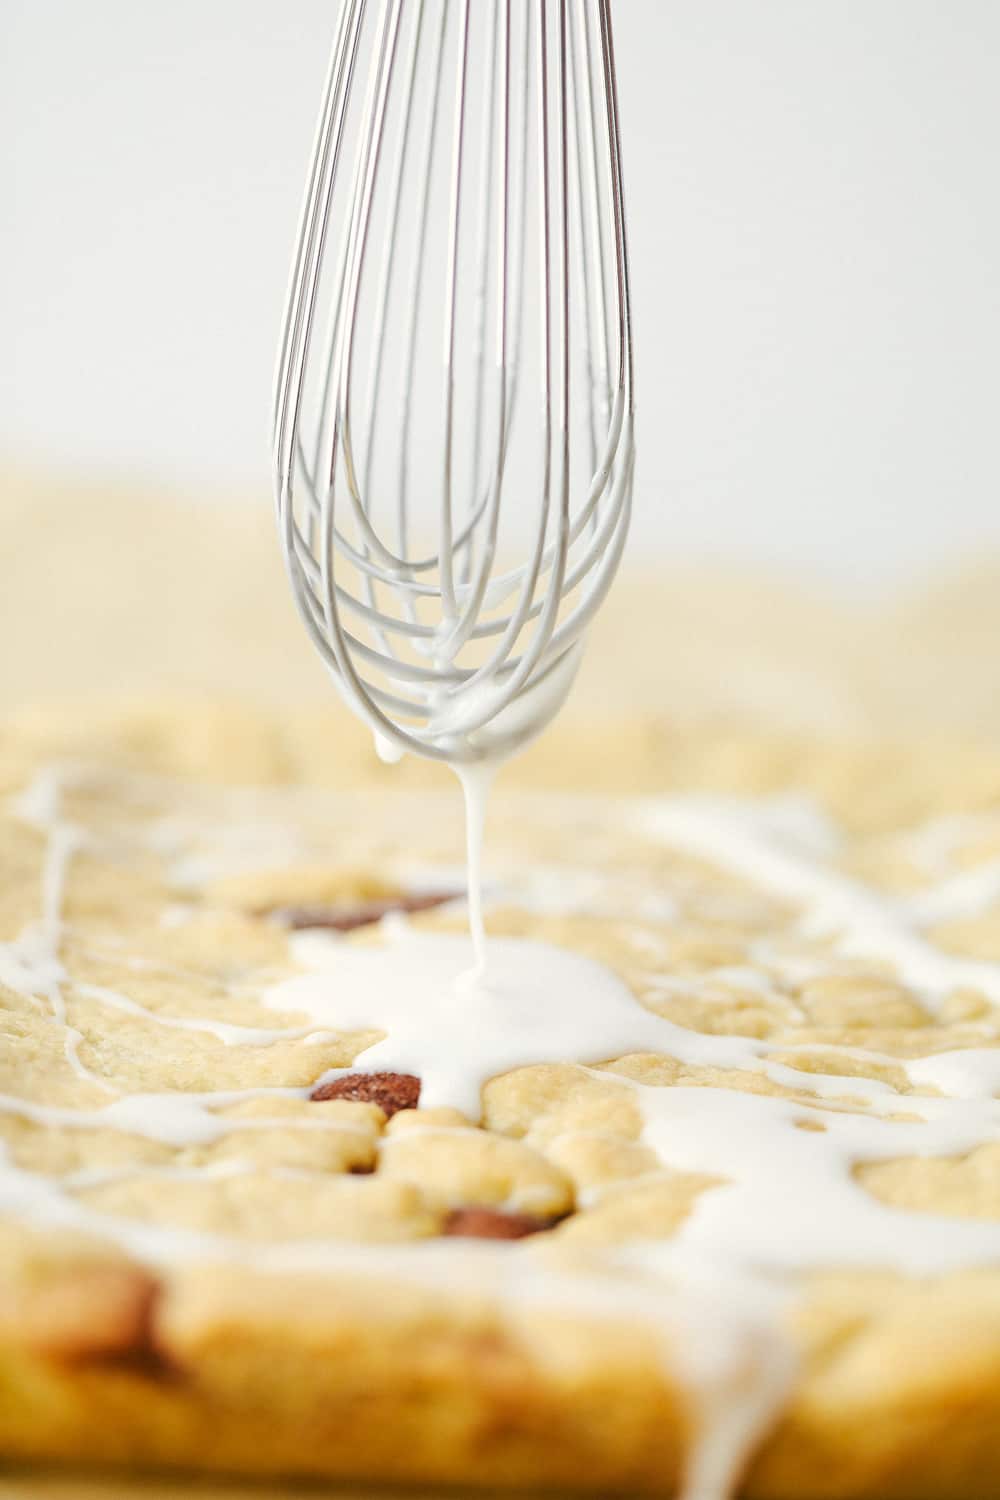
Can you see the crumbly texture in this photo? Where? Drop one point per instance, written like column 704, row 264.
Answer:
column 182, row 898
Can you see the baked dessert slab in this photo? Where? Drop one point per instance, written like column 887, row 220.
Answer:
column 207, row 1266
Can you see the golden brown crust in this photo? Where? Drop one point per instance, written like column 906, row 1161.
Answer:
column 75, row 1303
column 357, row 1380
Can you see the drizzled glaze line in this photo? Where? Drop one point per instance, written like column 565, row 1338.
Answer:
column 228, row 1032
column 476, row 779
column 31, row 964
column 864, row 924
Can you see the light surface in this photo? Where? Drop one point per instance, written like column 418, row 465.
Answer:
column 815, row 230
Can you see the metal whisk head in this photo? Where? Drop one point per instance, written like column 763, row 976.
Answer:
column 453, row 417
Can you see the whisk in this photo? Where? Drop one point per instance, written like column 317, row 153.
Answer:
column 452, row 516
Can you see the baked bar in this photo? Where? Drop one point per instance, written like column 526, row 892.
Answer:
column 738, row 1221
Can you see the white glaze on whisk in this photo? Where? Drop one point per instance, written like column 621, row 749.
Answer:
column 449, row 650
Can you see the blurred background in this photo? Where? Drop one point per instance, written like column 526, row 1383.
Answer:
column 815, row 228
column 815, row 232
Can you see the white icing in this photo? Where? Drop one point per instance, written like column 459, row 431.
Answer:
column 535, row 1003
column 966, row 1073
column 174, row 1119
column 231, row 1034
column 969, row 894
column 548, row 889
column 933, row 846
column 477, row 720
column 387, row 750
column 789, row 1201
column 729, row 1346
column 31, row 965
column 865, row 924
column 476, row 779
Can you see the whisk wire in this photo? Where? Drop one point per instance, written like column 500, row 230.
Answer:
column 443, row 639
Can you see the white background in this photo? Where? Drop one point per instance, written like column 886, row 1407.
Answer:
column 815, row 226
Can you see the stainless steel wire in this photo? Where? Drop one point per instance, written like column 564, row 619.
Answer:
column 449, row 526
